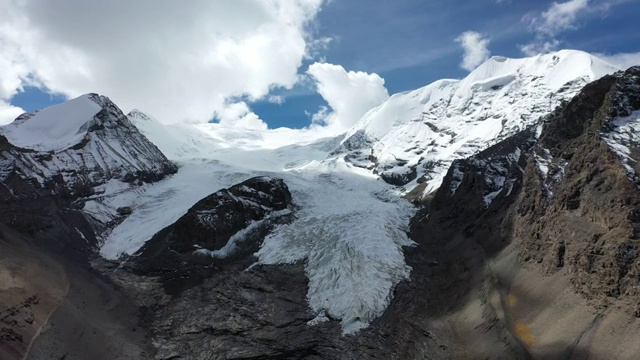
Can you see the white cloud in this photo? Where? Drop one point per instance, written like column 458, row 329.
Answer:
column 558, row 18
column 622, row 60
column 238, row 114
column 276, row 99
column 475, row 49
column 8, row 112
column 350, row 94
column 541, row 47
column 179, row 61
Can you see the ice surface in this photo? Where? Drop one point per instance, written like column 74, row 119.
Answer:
column 54, row 128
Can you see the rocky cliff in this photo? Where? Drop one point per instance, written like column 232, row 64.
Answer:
column 522, row 228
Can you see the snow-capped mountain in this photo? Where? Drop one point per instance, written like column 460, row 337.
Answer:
column 413, row 137
column 80, row 145
column 350, row 229
column 248, row 225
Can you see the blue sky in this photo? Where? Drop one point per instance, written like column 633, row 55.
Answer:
column 411, row 43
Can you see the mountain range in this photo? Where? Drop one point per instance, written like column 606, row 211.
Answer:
column 496, row 216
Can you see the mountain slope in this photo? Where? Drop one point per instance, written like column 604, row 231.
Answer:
column 555, row 196
column 52, row 162
column 413, row 137
column 534, row 239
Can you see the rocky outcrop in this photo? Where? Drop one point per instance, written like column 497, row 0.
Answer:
column 222, row 230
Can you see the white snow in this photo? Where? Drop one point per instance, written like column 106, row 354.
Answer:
column 451, row 119
column 625, row 134
column 54, row 128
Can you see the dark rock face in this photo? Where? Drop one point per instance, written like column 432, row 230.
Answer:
column 564, row 200
column 258, row 313
column 222, row 229
column 586, row 217
column 213, row 220
column 398, row 178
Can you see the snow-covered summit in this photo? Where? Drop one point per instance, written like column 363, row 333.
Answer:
column 86, row 142
column 413, row 137
column 54, row 128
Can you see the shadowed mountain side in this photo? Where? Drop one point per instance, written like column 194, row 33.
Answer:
column 478, row 256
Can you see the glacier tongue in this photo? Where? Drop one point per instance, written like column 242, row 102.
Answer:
column 350, row 230
column 413, row 137
column 350, row 226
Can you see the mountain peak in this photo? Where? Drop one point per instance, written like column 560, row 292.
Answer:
column 54, row 128
column 413, row 137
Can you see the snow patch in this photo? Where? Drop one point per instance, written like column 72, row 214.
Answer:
column 622, row 138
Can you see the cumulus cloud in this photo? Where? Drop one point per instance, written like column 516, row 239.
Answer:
column 179, row 61
column 558, row 18
column 350, row 94
column 8, row 112
column 240, row 115
column 475, row 49
column 622, row 60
